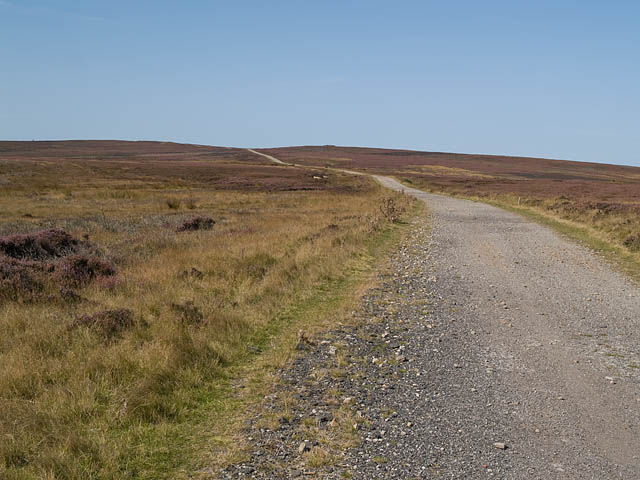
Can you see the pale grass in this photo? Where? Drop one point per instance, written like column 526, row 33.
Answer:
column 314, row 316
column 78, row 406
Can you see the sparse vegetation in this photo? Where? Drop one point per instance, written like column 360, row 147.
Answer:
column 632, row 242
column 173, row 203
column 107, row 322
column 390, row 209
column 598, row 204
column 113, row 347
column 197, row 223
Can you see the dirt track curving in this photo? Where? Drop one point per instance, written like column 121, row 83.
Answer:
column 496, row 331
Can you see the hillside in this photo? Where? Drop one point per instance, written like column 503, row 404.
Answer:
column 481, row 174
column 139, row 279
column 595, row 203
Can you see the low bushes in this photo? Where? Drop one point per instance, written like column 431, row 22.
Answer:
column 188, row 312
column 106, row 322
column 79, row 270
column 196, row 223
column 42, row 245
column 34, row 264
column 632, row 242
column 103, row 379
column 20, row 280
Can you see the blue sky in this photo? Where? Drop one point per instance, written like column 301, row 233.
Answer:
column 556, row 79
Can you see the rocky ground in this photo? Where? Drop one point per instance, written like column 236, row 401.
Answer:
column 490, row 348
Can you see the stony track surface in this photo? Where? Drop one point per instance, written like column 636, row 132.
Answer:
column 486, row 330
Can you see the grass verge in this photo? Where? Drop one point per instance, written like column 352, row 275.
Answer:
column 329, row 305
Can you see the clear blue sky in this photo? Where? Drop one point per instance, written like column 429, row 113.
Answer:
column 557, row 79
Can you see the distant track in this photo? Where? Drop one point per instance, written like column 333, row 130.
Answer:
column 280, row 162
column 546, row 343
column 273, row 159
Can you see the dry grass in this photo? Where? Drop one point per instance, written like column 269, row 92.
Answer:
column 597, row 204
column 95, row 387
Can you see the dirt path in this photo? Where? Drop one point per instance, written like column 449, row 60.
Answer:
column 489, row 329
column 269, row 157
column 280, row 162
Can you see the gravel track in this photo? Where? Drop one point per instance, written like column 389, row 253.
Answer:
column 556, row 327
column 486, row 329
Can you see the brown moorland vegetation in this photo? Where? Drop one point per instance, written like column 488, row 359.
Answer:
column 136, row 275
column 604, row 199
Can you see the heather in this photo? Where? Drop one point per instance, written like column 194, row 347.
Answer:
column 34, row 264
column 122, row 315
column 598, row 204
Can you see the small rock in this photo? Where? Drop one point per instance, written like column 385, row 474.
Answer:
column 323, row 417
column 304, row 446
column 500, row 445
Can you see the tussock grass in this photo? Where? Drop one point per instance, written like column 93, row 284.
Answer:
column 98, row 387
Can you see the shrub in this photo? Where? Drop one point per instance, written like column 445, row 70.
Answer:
column 390, row 210
column 191, row 204
column 42, row 245
column 106, row 322
column 108, row 283
column 79, row 270
column 632, row 242
column 193, row 273
column 30, row 262
column 173, row 204
column 68, row 295
column 258, row 265
column 20, row 279
column 196, row 223
column 188, row 312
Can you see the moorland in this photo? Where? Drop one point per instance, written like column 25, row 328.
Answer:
column 136, row 276
column 598, row 204
column 142, row 282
